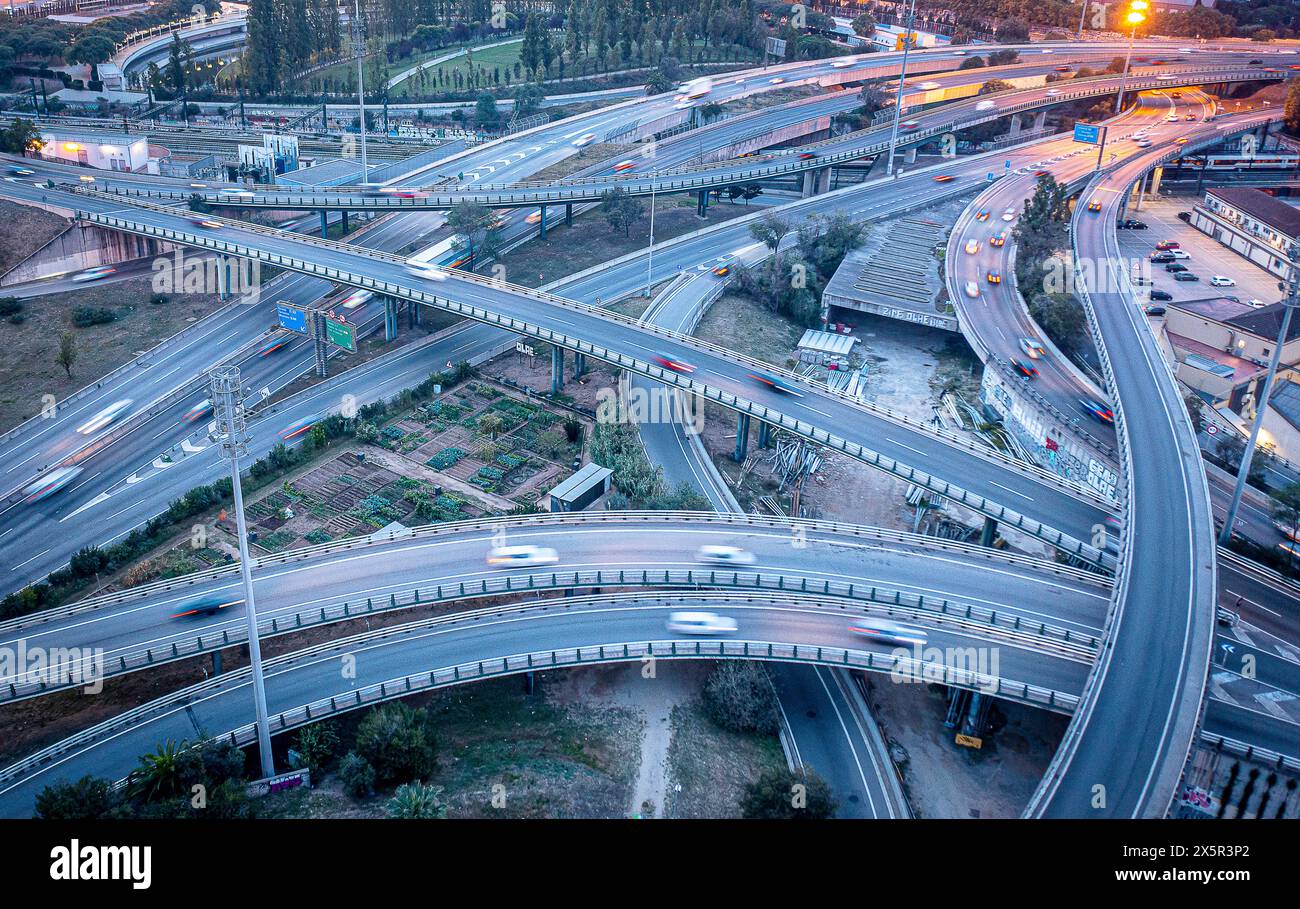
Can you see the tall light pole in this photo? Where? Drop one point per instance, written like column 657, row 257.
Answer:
column 650, row 259
column 902, row 77
column 360, row 48
column 1289, row 304
column 232, row 435
column 1134, row 18
column 1083, row 15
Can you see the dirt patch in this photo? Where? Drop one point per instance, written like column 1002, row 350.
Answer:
column 591, row 241
column 943, row 779
column 28, row 370
column 23, row 230
column 709, row 767
column 592, row 154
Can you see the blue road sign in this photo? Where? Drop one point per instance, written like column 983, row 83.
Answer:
column 1086, row 132
column 292, row 318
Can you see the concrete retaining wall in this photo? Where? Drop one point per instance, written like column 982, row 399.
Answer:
column 82, row 246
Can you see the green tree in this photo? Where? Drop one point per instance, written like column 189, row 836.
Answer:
column 20, row 137
column 491, row 424
column 770, row 230
column 178, row 58
column 398, row 741
column 994, row 85
column 738, row 695
column 416, row 802
column 87, row 799
column 864, row 26
column 473, row 223
column 782, row 794
column 67, row 355
column 873, row 98
column 620, row 209
column 158, row 775
column 1291, row 112
column 485, row 111
column 1012, row 31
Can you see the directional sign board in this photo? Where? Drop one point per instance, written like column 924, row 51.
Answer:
column 291, row 317
column 775, row 47
column 1087, row 132
column 341, row 334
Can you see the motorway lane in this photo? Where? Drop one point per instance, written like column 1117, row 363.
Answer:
column 298, row 680
column 1160, row 636
column 867, row 201
column 1034, row 493
column 1263, row 730
column 998, row 318
column 1031, row 589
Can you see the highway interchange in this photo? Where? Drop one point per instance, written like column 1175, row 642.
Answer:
column 1043, row 498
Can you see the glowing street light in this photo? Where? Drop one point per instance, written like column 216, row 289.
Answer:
column 1134, row 18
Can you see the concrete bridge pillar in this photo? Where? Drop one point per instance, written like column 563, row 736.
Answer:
column 557, row 369
column 1015, row 125
column 764, row 433
column 1040, row 119
column 579, row 364
column 223, row 278
column 909, row 155
column 816, row 182
column 345, row 223
column 390, row 319
column 742, row 436
column 324, row 224
column 568, row 214
column 702, row 204
column 541, row 231
column 1156, row 174
column 990, row 532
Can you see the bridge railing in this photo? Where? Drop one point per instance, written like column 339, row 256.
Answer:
column 906, row 666
column 871, row 599
column 793, row 526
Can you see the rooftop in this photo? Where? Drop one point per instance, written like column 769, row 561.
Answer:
column 1212, row 360
column 1260, row 206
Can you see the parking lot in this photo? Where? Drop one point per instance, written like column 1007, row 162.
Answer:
column 1208, row 256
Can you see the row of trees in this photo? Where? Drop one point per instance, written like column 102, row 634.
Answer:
column 1041, row 235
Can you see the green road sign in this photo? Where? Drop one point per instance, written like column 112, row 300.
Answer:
column 341, row 334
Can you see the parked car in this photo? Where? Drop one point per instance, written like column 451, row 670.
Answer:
column 1165, row 245
column 1153, row 309
column 1222, row 281
column 1185, row 276
column 1185, row 216
column 1162, row 295
column 1175, row 267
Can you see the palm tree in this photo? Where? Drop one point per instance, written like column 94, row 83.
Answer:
column 416, row 801
column 158, row 774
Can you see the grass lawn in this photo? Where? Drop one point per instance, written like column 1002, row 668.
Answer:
column 712, row 765
column 28, row 370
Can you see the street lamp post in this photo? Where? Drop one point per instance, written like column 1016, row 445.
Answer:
column 1134, row 18
column 232, row 435
column 1289, row 304
column 360, row 49
column 902, row 77
column 1083, row 15
column 650, row 258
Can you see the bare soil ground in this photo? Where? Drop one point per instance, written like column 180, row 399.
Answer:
column 28, row 370
column 23, row 230
column 554, row 756
column 709, row 767
column 592, row 154
column 591, row 240
column 943, row 779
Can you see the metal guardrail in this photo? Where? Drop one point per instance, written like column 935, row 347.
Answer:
column 931, row 611
column 566, row 520
column 1249, row 752
column 776, row 418
column 526, row 662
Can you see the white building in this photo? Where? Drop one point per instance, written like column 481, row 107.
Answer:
column 102, row 151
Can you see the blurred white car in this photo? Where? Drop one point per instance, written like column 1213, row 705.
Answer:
column 724, row 555
column 104, row 417
column 700, row 623
column 889, row 632
column 522, row 556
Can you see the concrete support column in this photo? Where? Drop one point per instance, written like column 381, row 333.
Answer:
column 557, row 369
column 345, row 223
column 1155, row 180
column 541, row 230
column 390, row 319
column 1040, row 119
column 909, row 155
column 742, row 436
column 223, row 278
column 216, row 662
column 764, row 433
column 702, row 203
column 990, row 532
column 417, row 313
column 324, row 223
column 579, row 364
column 568, row 214
column 1015, row 125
